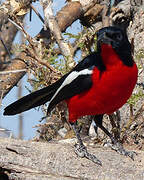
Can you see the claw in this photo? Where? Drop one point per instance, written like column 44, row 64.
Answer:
column 131, row 154
column 81, row 151
column 119, row 148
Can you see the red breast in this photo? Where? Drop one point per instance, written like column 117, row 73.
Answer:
column 111, row 88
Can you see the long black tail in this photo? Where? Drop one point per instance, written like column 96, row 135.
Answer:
column 30, row 101
column 34, row 99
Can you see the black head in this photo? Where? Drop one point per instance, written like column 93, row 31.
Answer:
column 118, row 39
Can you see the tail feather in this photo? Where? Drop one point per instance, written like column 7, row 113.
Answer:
column 34, row 99
column 30, row 101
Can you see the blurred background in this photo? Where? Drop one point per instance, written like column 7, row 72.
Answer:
column 22, row 125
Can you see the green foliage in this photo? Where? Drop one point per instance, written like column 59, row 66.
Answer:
column 74, row 36
column 135, row 97
column 16, row 48
column 140, row 54
column 95, row 43
column 58, row 62
column 85, row 42
column 40, row 79
column 87, row 45
column 139, row 57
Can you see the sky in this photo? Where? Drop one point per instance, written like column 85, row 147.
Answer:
column 31, row 117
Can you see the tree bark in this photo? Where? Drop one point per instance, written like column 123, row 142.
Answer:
column 56, row 160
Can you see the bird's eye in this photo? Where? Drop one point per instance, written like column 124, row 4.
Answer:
column 119, row 36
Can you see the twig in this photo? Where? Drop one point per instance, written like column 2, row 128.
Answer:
column 45, row 63
column 5, row 47
column 139, row 112
column 115, row 122
column 51, row 23
column 1, row 98
column 141, row 84
column 105, row 18
column 131, row 110
column 82, row 39
column 20, row 27
column 37, row 13
column 130, row 121
column 34, row 55
column 15, row 24
column 12, row 71
column 30, row 16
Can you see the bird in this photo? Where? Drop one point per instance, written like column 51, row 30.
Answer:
column 99, row 84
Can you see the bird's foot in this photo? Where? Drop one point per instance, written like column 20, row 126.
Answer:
column 119, row 148
column 81, row 151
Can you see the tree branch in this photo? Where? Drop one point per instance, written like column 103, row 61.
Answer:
column 51, row 23
column 35, row 160
column 67, row 15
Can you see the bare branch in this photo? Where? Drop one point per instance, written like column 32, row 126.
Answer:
column 7, row 50
column 68, row 14
column 15, row 24
column 37, row 160
column 13, row 71
column 1, row 97
column 8, row 81
column 105, row 18
column 37, row 13
column 42, row 62
column 51, row 23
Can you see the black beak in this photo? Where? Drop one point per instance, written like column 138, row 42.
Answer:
column 103, row 37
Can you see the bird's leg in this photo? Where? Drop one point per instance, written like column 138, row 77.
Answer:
column 117, row 146
column 81, row 150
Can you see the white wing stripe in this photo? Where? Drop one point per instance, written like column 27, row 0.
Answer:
column 71, row 77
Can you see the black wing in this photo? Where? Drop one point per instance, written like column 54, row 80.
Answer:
column 80, row 84
column 91, row 60
column 34, row 99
